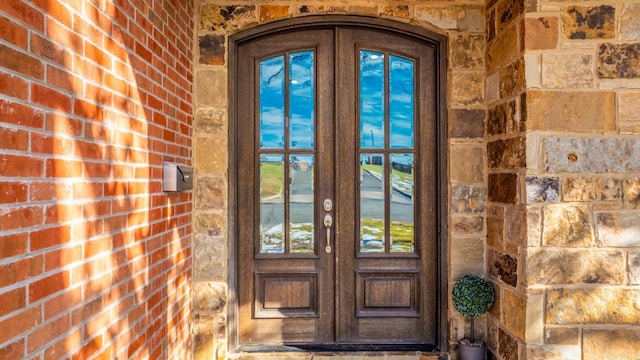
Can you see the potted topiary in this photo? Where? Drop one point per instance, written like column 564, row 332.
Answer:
column 472, row 296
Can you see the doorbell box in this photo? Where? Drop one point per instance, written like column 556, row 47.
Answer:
column 176, row 177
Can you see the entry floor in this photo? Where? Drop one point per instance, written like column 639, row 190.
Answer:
column 377, row 355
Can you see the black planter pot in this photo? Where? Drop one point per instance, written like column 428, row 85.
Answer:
column 468, row 352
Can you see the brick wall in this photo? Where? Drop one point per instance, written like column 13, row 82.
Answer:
column 95, row 260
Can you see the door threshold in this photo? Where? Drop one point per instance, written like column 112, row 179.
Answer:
column 335, row 348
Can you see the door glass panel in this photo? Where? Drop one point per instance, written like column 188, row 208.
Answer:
column 401, row 209
column 372, row 103
column 401, row 101
column 272, row 103
column 287, row 124
column 372, row 200
column 387, row 137
column 301, row 100
column 301, row 203
column 271, row 203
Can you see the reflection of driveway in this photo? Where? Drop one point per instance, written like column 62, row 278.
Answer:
column 371, row 188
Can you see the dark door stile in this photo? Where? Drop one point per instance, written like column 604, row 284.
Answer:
column 346, row 299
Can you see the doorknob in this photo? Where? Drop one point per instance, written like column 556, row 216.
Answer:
column 328, row 221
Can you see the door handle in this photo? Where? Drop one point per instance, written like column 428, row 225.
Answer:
column 328, row 221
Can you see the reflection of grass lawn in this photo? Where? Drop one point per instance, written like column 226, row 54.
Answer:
column 401, row 233
column 271, row 179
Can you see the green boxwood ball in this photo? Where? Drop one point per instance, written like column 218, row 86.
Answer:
column 472, row 296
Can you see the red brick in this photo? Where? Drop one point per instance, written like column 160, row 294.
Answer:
column 21, row 322
column 22, row 11
column 18, row 218
column 63, row 168
column 56, row 10
column 13, row 86
column 88, row 349
column 62, row 212
column 21, row 270
column 13, row 351
column 14, row 139
column 13, row 32
column 48, row 286
column 47, row 332
column 61, row 123
column 20, row 166
column 50, row 98
column 63, row 35
column 63, row 79
column 49, row 190
column 19, row 114
column 47, row 144
column 62, row 302
column 12, row 192
column 58, row 258
column 44, row 47
column 21, row 62
column 54, row 236
column 13, row 245
column 12, row 301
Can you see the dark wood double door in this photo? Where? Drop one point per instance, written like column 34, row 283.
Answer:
column 337, row 188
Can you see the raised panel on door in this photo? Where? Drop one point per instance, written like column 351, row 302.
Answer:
column 285, row 131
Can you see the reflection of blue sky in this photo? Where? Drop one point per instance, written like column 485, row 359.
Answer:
column 272, row 103
column 301, row 101
column 401, row 100
column 301, row 97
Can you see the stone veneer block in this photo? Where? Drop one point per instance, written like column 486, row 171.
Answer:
column 619, row 61
column 495, row 232
column 507, row 345
column 512, row 79
column 630, row 22
column 467, row 88
column 507, row 12
column 634, row 267
column 209, row 297
column 467, row 51
column 231, row 17
column 500, row 116
column 444, row 18
column 468, row 199
column 466, row 123
column 621, row 344
column 203, row 337
column 214, row 224
column 273, row 12
column 591, row 155
column 211, row 88
column 554, row 352
column 610, row 306
column 396, row 11
column 576, row 111
column 503, row 49
column 503, row 188
column 562, row 335
column 210, row 155
column 631, row 193
column 504, row 267
column 467, row 225
column 515, row 228
column 629, row 106
column 467, row 257
column 210, row 258
column 210, row 193
column 514, row 313
column 534, row 232
column 542, row 189
column 567, row 225
column 567, row 71
column 561, row 267
column 469, row 166
column 618, row 228
column 591, row 189
column 541, row 33
column 589, row 22
column 509, row 154
column 211, row 121
column 212, row 49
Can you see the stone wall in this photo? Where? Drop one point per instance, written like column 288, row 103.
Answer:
column 582, row 180
column 464, row 24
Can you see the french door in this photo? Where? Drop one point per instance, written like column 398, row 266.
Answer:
column 337, row 188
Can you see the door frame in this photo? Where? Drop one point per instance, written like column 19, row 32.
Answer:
column 439, row 42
